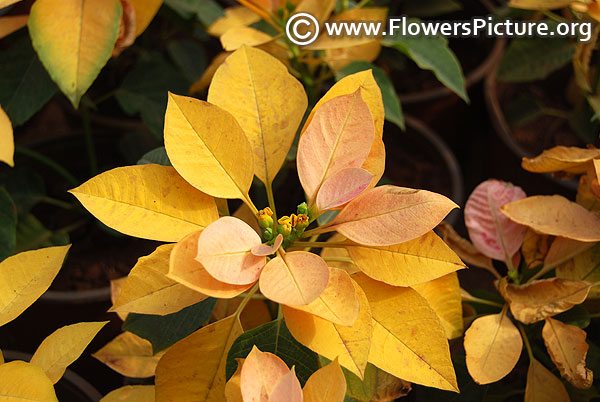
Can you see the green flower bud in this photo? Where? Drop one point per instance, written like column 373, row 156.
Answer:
column 302, row 209
column 268, row 234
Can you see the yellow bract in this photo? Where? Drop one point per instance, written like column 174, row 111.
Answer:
column 543, row 386
column 208, row 147
column 493, row 345
column 540, row 4
column 326, row 384
column 147, row 289
column 11, row 24
column 74, row 39
column 130, row 355
column 63, row 347
column 7, row 143
column 407, row 264
column 147, row 201
column 194, row 368
column 568, row 159
column 237, row 16
column 24, row 382
column 131, row 393
column 25, row 277
column 408, row 341
column 266, row 100
column 145, row 10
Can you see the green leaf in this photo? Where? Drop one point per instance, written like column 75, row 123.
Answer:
column 165, row 331
column 8, row 225
column 523, row 110
column 25, row 186
column 431, row 53
column 25, row 86
column 206, row 11
column 32, row 234
column 144, row 90
column 576, row 315
column 157, row 156
column 274, row 337
column 189, row 57
column 391, row 103
column 430, row 8
column 531, row 59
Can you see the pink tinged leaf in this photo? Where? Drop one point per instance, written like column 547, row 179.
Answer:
column 295, row 278
column 224, row 251
column 260, row 374
column 342, row 187
column 339, row 136
column 264, row 249
column 388, row 215
column 288, row 389
column 488, row 227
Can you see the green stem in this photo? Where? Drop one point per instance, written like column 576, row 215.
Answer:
column 318, row 230
column 526, row 341
column 320, row 244
column 473, row 299
column 271, row 198
column 57, row 203
column 245, row 301
column 344, row 5
column 250, row 204
column 89, row 139
column 553, row 16
column 362, row 3
column 50, row 163
column 74, row 226
column 105, row 97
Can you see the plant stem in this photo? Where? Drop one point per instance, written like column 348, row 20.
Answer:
column 271, row 198
column 553, row 16
column 317, row 230
column 56, row 203
column 250, row 204
column 362, row 3
column 50, row 163
column 245, row 301
column 344, row 5
column 526, row 341
column 106, row 96
column 74, row 226
column 320, row 244
column 89, row 139
column 467, row 297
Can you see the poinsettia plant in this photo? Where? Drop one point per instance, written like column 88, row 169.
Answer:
column 549, row 246
column 396, row 312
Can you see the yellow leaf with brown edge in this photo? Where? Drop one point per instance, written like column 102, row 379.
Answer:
column 7, row 142
column 74, row 39
column 568, row 159
column 368, row 14
column 555, row 215
column 389, row 215
column 563, row 249
column 535, row 248
column 148, row 201
column 493, row 345
column 543, row 386
column 237, row 37
column 184, row 268
column 349, row 344
column 236, row 16
column 327, row 384
column 22, row 382
column 24, row 277
column 266, row 100
column 583, row 267
column 567, row 348
column 147, row 289
column 543, row 298
column 208, row 148
column 130, row 356
column 408, row 340
column 63, row 347
column 338, row 303
column 145, row 10
column 406, row 264
column 585, row 196
column 131, row 393
column 12, row 23
column 443, row 296
column 180, row 377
